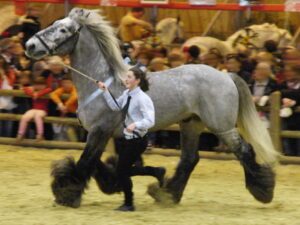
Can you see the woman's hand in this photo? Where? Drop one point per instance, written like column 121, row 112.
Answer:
column 130, row 127
column 101, row 85
column 62, row 107
column 35, row 96
column 286, row 102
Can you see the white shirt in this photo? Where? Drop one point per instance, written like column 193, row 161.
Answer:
column 259, row 87
column 140, row 111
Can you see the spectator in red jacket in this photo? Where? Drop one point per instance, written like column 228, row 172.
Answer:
column 39, row 108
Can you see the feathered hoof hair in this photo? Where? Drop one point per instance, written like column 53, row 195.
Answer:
column 66, row 186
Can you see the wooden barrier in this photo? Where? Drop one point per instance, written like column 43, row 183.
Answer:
column 275, row 131
column 275, row 121
column 110, row 148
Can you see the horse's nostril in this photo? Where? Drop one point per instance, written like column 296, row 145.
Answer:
column 31, row 47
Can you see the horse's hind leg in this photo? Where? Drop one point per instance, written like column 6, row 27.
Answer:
column 260, row 179
column 174, row 187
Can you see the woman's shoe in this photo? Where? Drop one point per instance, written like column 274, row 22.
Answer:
column 19, row 138
column 126, row 208
column 39, row 137
column 160, row 175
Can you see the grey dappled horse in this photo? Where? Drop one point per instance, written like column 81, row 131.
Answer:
column 193, row 95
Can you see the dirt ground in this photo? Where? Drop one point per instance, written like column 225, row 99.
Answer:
column 215, row 195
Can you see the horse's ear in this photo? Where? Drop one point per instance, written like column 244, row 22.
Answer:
column 79, row 13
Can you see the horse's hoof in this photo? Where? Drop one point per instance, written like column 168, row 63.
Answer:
column 74, row 204
column 66, row 185
column 261, row 183
column 161, row 195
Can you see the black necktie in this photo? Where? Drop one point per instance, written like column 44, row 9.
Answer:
column 125, row 109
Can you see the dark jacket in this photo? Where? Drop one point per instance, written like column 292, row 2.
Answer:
column 286, row 92
column 270, row 87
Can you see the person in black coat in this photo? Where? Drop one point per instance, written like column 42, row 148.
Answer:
column 263, row 83
column 290, row 94
column 233, row 64
column 261, row 87
column 30, row 24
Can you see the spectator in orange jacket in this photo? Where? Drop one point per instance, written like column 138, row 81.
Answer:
column 68, row 106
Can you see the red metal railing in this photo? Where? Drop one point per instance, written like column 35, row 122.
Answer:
column 173, row 4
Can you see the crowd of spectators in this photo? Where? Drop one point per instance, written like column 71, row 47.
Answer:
column 265, row 71
column 36, row 79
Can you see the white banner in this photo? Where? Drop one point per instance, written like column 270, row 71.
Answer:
column 155, row 2
column 292, row 5
column 202, row 2
column 108, row 2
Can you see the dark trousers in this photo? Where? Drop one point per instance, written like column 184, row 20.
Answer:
column 132, row 150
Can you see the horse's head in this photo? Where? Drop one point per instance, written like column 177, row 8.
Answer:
column 169, row 30
column 57, row 39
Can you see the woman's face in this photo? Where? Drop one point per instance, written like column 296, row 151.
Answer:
column 289, row 74
column 232, row 65
column 131, row 82
column 261, row 73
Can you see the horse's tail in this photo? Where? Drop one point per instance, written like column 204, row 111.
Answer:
column 251, row 127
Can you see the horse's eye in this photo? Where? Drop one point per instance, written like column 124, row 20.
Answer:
column 63, row 30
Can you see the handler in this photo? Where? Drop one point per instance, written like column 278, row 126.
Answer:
column 139, row 110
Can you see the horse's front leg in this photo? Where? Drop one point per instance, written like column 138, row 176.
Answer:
column 70, row 179
column 173, row 188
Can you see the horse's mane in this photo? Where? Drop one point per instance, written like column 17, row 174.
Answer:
column 105, row 36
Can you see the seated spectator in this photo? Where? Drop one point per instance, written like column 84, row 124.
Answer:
column 7, row 80
column 38, row 111
column 157, row 64
column 213, row 58
column 233, row 64
column 67, row 108
column 192, row 54
column 291, row 57
column 270, row 59
column 290, row 94
column 161, row 52
column 244, row 53
column 262, row 86
column 38, row 68
column 143, row 58
column 6, row 47
column 263, row 83
column 22, row 104
column 264, row 57
column 30, row 23
column 175, row 59
column 24, row 80
column 55, row 72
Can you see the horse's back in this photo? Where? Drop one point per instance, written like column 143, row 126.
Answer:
column 195, row 90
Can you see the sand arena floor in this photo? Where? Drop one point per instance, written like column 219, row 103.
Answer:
column 215, row 195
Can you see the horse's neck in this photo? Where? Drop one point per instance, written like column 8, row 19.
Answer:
column 88, row 59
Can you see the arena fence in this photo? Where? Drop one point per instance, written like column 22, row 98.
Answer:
column 275, row 131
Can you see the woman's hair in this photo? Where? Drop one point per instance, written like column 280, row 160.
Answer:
column 39, row 80
column 233, row 56
column 4, row 65
column 139, row 74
